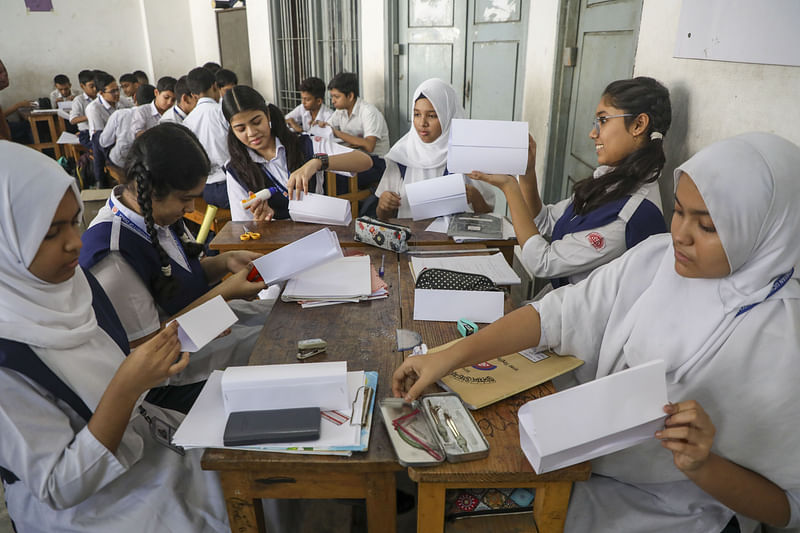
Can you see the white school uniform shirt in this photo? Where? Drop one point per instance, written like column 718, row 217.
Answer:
column 279, row 169
column 364, row 121
column 144, row 117
column 126, row 101
column 55, row 95
column 173, row 114
column 208, row 123
column 575, row 256
column 303, row 117
column 98, row 113
column 393, row 181
column 79, row 104
column 118, row 133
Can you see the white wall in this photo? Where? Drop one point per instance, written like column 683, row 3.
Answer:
column 712, row 100
column 204, row 31
column 373, row 52
column 259, row 31
column 171, row 45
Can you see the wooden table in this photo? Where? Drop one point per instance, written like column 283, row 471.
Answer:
column 363, row 334
column 48, row 116
column 506, row 465
column 282, row 232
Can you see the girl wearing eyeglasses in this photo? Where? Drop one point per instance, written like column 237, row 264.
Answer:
column 612, row 210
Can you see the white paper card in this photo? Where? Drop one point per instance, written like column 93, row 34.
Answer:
column 68, row 138
column 490, row 146
column 319, row 131
column 321, row 209
column 346, row 277
column 593, row 419
column 202, row 324
column 299, row 256
column 436, row 197
column 494, row 266
column 255, row 388
column 450, row 306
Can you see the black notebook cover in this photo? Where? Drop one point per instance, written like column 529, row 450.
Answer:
column 278, row 425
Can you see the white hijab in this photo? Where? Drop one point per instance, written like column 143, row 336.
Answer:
column 750, row 186
column 428, row 159
column 56, row 320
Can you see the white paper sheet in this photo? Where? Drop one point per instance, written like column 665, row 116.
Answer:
column 68, row 138
column 325, row 133
column 595, row 418
column 439, row 224
column 342, row 278
column 299, row 256
column 202, row 324
column 490, row 146
column 321, row 209
column 493, row 266
column 436, row 197
column 450, row 306
column 204, row 425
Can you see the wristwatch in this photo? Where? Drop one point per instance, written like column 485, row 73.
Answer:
column 323, row 159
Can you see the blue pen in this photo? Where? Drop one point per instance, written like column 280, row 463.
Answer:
column 381, row 271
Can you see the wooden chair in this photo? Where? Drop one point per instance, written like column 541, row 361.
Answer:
column 116, row 173
column 199, row 214
column 353, row 194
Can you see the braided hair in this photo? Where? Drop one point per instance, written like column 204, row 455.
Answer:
column 243, row 98
column 163, row 159
column 635, row 96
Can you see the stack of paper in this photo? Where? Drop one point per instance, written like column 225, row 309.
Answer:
column 436, row 197
column 299, row 256
column 494, row 266
column 490, row 146
column 204, row 425
column 321, row 209
column 343, row 279
column 597, row 418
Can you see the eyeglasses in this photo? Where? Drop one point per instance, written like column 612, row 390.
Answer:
column 598, row 121
column 111, row 91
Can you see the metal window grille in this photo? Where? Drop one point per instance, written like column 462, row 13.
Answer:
column 318, row 38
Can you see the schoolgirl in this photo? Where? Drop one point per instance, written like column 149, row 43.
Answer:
column 266, row 154
column 147, row 261
column 612, row 210
column 76, row 448
column 422, row 152
column 718, row 300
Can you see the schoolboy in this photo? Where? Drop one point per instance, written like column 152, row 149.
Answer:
column 77, row 115
column 141, row 77
column 226, row 80
column 356, row 122
column 312, row 109
column 63, row 91
column 118, row 135
column 98, row 113
column 129, row 85
column 209, row 125
column 212, row 67
column 147, row 116
column 184, row 103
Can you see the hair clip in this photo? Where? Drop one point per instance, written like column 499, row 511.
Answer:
column 656, row 135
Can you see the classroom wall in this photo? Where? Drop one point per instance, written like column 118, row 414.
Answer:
column 373, row 52
column 259, row 31
column 712, row 100
column 205, row 40
column 168, row 52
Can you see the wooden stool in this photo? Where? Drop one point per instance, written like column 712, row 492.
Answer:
column 353, row 194
column 116, row 173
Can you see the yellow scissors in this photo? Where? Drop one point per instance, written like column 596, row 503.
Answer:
column 248, row 234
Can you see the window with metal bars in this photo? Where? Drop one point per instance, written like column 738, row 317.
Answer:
column 318, row 38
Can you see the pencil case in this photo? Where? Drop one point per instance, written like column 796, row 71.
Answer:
column 433, row 429
column 392, row 237
column 452, row 280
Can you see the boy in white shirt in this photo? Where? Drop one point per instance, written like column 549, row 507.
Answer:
column 226, row 80
column 209, row 125
column 98, row 112
column 118, row 135
column 147, row 116
column 129, row 85
column 77, row 115
column 63, row 91
column 184, row 103
column 312, row 109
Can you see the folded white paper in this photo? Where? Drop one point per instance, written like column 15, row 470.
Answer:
column 321, row 209
column 299, row 256
column 437, row 196
column 319, row 131
column 593, row 419
column 255, row 388
column 450, row 306
column 490, row 146
column 68, row 138
column 494, row 266
column 346, row 277
column 202, row 324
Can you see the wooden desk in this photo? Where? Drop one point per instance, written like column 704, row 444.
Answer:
column 506, row 465
column 282, row 232
column 48, row 117
column 363, row 334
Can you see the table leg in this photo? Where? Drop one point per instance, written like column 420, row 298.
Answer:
column 550, row 506
column 51, row 123
column 381, row 503
column 34, row 131
column 246, row 515
column 430, row 507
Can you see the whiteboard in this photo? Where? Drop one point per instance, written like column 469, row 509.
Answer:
column 745, row 31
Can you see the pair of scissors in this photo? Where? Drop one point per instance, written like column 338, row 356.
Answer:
column 248, row 234
column 466, row 327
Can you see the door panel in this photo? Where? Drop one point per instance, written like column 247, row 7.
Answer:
column 493, row 61
column 431, row 61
